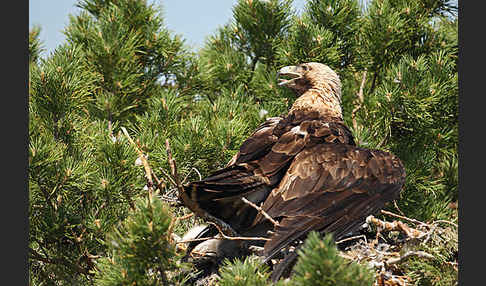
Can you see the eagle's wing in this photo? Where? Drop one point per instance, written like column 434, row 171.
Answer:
column 258, row 167
column 258, row 144
column 220, row 193
column 331, row 188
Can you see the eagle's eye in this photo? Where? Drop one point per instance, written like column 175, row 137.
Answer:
column 305, row 68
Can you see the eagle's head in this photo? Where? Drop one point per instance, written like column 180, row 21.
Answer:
column 305, row 76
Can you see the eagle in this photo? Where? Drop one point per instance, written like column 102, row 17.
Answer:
column 304, row 170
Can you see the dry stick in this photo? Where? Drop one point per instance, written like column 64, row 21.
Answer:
column 352, row 238
column 396, row 206
column 200, row 177
column 146, row 166
column 197, row 239
column 445, row 221
column 167, row 176
column 174, row 221
column 260, row 210
column 404, row 218
column 360, row 100
column 402, row 258
column 396, row 225
column 173, row 167
column 160, row 184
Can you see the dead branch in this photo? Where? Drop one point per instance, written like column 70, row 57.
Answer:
column 146, row 166
column 187, row 176
column 260, row 210
column 402, row 258
column 395, row 225
column 360, row 100
column 353, row 238
column 174, row 221
column 445, row 221
column 167, row 176
column 173, row 167
column 404, row 218
column 197, row 239
column 396, row 206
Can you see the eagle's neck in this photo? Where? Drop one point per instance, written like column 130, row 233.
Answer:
column 320, row 100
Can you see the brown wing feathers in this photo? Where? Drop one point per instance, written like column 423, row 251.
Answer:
column 351, row 183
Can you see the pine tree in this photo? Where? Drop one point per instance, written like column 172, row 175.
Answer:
column 128, row 46
column 320, row 264
column 139, row 249
column 248, row 272
column 83, row 179
column 35, row 45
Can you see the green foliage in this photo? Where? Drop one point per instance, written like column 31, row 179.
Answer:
column 310, row 42
column 126, row 43
column 223, row 65
column 338, row 24
column 35, row 44
column 249, row 272
column 415, row 113
column 320, row 264
column 140, row 252
column 260, row 27
column 202, row 135
column 58, row 87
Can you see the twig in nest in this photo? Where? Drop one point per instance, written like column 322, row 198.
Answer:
column 352, row 238
column 174, row 221
column 237, row 237
column 223, row 236
column 445, row 221
column 396, row 225
column 403, row 217
column 396, row 206
column 258, row 250
column 407, row 255
column 260, row 210
column 197, row 239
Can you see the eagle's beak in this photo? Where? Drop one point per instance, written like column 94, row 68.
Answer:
column 288, row 75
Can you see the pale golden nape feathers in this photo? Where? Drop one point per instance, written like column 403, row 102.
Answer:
column 318, row 87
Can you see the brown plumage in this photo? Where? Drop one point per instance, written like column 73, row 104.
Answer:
column 304, row 169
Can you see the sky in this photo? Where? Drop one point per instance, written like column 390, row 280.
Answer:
column 193, row 19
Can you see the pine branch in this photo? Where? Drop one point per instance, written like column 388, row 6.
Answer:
column 81, row 270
